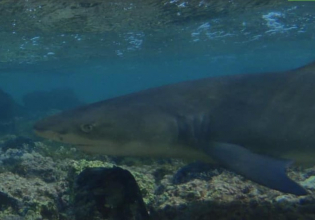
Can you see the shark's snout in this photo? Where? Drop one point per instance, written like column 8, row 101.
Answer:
column 46, row 128
column 46, row 133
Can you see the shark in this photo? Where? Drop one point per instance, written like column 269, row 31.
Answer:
column 256, row 125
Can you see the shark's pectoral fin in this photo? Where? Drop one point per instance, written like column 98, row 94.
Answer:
column 261, row 169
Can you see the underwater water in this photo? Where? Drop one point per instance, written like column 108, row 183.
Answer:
column 58, row 55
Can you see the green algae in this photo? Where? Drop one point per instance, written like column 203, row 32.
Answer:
column 80, row 165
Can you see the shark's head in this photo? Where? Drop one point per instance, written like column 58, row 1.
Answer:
column 109, row 128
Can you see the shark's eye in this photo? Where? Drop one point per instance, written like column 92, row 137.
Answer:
column 86, row 127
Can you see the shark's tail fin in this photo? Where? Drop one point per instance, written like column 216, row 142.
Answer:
column 261, row 169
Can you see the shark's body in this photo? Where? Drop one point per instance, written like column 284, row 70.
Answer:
column 222, row 118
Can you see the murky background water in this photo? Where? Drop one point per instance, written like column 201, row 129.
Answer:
column 104, row 49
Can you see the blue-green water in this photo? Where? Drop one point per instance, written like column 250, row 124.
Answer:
column 102, row 65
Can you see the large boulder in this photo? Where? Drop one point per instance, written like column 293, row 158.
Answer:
column 108, row 193
column 9, row 109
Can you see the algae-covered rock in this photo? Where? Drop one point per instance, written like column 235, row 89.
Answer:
column 33, row 196
column 309, row 183
column 108, row 193
column 142, row 174
column 34, row 186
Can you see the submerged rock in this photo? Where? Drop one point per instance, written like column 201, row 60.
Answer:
column 30, row 198
column 7, row 201
column 7, row 106
column 108, row 193
column 309, row 183
column 8, row 110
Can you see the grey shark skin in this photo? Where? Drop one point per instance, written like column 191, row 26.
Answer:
column 241, row 121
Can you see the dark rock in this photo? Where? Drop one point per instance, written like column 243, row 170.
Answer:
column 8, row 110
column 108, row 193
column 7, row 201
column 7, row 106
column 42, row 101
